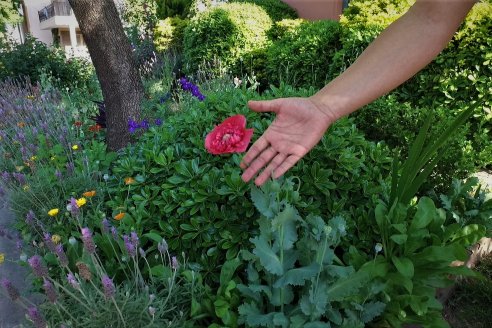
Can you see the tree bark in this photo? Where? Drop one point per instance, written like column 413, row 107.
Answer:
column 115, row 66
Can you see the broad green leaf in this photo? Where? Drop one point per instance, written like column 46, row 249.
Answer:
column 469, row 234
column 281, row 296
column 404, row 266
column 262, row 202
column 267, row 256
column 399, row 239
column 154, row 236
column 380, row 213
column 317, row 324
column 227, row 271
column 298, row 276
column 349, row 286
column 426, row 212
column 254, row 317
column 280, row 320
column 285, row 226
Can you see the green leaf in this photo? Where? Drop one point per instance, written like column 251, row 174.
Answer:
column 154, row 236
column 372, row 310
column 426, row 212
column 404, row 266
column 285, row 226
column 254, row 317
column 349, row 286
column 298, row 276
column 267, row 256
column 399, row 239
column 469, row 234
column 380, row 213
column 263, row 203
column 227, row 271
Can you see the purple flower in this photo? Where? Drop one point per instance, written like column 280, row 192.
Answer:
column 30, row 217
column 174, row 263
column 134, row 238
column 145, row 124
column 130, row 247
column 73, row 281
column 10, row 289
column 21, row 178
column 62, row 257
column 36, row 317
column 108, row 286
column 58, row 175
column 106, row 226
column 133, row 126
column 74, row 208
column 190, row 87
column 50, row 291
column 89, row 245
column 162, row 246
column 37, row 266
column 141, row 251
column 158, row 122
column 49, row 243
column 6, row 177
column 70, row 168
column 19, row 245
column 114, row 233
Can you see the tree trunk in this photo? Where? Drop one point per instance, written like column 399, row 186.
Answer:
column 116, row 69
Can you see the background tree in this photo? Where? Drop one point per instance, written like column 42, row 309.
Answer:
column 9, row 14
column 116, row 69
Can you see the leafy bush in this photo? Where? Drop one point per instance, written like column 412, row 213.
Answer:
column 220, row 36
column 31, row 58
column 276, row 9
column 399, row 123
column 284, row 27
column 198, row 201
column 302, row 57
column 168, row 33
column 173, row 8
column 379, row 13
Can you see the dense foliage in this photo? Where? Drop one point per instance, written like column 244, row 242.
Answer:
column 219, row 37
column 276, row 9
column 33, row 58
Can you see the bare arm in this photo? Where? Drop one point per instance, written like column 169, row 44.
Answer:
column 403, row 49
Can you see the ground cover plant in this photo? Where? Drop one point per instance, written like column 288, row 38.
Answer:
column 165, row 233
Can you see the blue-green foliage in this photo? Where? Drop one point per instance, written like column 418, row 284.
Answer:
column 294, row 278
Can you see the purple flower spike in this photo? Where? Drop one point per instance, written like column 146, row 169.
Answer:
column 106, row 226
column 62, row 257
column 108, row 286
column 141, row 251
column 89, row 245
column 174, row 263
column 37, row 266
column 73, row 281
column 10, row 289
column 50, row 291
column 74, row 208
column 158, row 122
column 36, row 317
column 133, row 126
column 130, row 247
column 30, row 217
column 49, row 243
column 134, row 238
column 114, row 233
column 162, row 247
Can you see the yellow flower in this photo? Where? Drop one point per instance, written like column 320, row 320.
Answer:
column 26, row 188
column 89, row 194
column 129, row 180
column 75, row 147
column 53, row 212
column 53, row 158
column 33, row 158
column 2, row 258
column 119, row 216
column 19, row 168
column 30, row 97
column 81, row 202
column 56, row 239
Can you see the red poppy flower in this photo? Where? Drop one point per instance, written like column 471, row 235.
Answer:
column 95, row 128
column 77, row 123
column 231, row 136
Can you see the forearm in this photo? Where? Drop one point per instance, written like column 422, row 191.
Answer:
column 403, row 49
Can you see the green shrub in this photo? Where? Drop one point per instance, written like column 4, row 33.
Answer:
column 398, row 125
column 172, row 8
column 302, row 57
column 284, row 27
column 379, row 13
column 198, row 201
column 220, row 36
column 33, row 58
column 276, row 9
column 168, row 34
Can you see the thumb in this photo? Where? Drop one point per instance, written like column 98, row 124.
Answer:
column 261, row 106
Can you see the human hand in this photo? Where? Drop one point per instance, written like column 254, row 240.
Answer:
column 299, row 125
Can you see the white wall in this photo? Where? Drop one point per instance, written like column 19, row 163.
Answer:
column 32, row 8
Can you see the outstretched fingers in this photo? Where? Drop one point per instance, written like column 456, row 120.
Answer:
column 257, row 157
column 270, row 170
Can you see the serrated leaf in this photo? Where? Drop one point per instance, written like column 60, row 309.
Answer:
column 268, row 258
column 298, row 276
column 349, row 286
column 372, row 310
column 253, row 317
column 263, row 202
column 282, row 296
column 285, row 225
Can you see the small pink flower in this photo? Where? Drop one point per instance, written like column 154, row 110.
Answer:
column 231, row 136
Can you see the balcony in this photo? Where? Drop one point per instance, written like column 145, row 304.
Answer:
column 57, row 14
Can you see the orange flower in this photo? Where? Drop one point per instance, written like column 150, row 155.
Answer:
column 95, row 128
column 89, row 194
column 129, row 180
column 21, row 124
column 119, row 216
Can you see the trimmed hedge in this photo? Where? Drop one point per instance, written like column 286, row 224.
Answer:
column 168, row 34
column 220, row 36
column 276, row 9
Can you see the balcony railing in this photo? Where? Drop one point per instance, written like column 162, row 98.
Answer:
column 58, row 8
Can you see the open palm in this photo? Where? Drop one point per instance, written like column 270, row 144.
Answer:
column 298, row 127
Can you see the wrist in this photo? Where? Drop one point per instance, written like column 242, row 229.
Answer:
column 326, row 106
